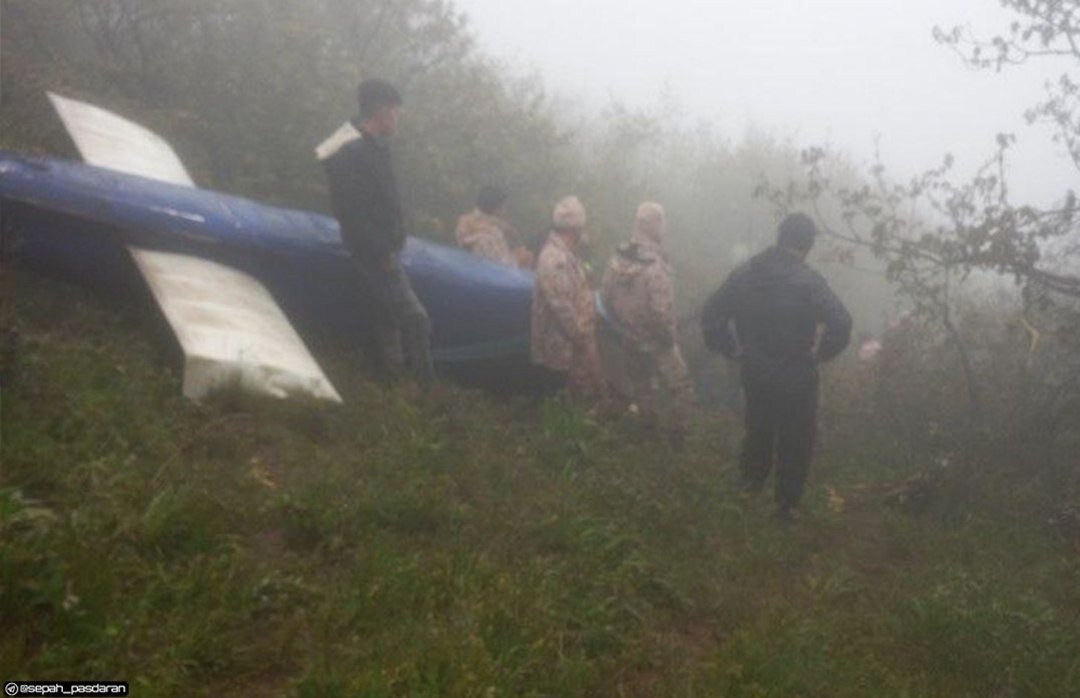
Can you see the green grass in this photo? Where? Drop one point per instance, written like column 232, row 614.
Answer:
column 459, row 545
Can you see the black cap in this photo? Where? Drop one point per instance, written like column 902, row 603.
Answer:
column 797, row 232
column 491, row 198
column 376, row 93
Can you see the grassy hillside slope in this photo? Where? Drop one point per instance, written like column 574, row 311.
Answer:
column 455, row 545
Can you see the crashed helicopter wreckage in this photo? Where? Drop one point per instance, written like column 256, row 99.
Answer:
column 231, row 276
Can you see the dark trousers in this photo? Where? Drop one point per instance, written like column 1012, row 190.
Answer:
column 781, row 424
column 400, row 322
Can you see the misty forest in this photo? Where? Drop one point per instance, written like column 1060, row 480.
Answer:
column 453, row 540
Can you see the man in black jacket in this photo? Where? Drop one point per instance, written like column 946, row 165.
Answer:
column 364, row 197
column 777, row 303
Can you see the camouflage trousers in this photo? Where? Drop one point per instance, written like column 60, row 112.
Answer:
column 582, row 378
column 661, row 388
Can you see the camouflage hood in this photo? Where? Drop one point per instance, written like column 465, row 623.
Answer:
column 474, row 225
column 638, row 294
column 630, row 260
column 483, row 235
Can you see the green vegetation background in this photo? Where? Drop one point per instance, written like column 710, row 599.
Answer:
column 462, row 546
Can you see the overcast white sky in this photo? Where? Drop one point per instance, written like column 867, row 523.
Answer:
column 820, row 71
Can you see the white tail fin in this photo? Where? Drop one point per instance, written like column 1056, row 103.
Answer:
column 230, row 329
column 110, row 141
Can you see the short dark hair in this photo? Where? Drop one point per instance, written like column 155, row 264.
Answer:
column 376, row 93
column 797, row 232
column 491, row 198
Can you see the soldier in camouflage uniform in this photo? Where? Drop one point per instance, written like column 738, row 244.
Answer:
column 639, row 297
column 564, row 307
column 483, row 232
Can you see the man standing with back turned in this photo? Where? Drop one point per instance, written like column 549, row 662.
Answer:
column 638, row 294
column 777, row 304
column 364, row 197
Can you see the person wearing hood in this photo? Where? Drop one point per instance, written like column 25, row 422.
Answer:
column 364, row 199
column 638, row 297
column 564, row 307
column 483, row 231
column 777, row 304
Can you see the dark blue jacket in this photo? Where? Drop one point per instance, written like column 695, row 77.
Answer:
column 364, row 198
column 775, row 302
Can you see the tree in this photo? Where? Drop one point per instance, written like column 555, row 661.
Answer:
column 934, row 232
column 245, row 89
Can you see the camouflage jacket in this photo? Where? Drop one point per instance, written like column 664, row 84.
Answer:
column 564, row 308
column 639, row 296
column 484, row 236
